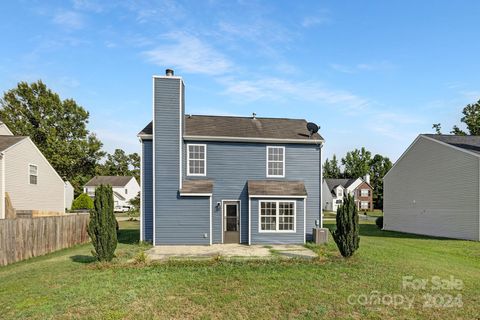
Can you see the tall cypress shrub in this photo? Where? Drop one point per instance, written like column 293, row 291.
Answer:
column 102, row 226
column 346, row 235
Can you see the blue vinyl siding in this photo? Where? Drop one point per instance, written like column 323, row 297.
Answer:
column 232, row 164
column 178, row 220
column 147, row 190
column 277, row 237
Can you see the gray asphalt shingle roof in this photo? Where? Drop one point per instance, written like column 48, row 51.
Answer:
column 276, row 188
column 244, row 127
column 470, row 143
column 197, row 186
column 332, row 183
column 114, row 181
column 8, row 141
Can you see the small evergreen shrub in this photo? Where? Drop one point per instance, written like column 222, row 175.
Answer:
column 379, row 222
column 102, row 227
column 346, row 235
column 82, row 202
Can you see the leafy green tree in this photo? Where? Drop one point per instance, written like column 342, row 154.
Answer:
column 357, row 163
column 471, row 118
column 135, row 202
column 102, row 227
column 379, row 166
column 57, row 127
column 120, row 164
column 437, row 127
column 82, row 202
column 346, row 235
column 331, row 169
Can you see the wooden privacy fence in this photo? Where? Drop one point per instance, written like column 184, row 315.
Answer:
column 24, row 238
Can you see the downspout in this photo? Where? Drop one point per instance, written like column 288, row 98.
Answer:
column 320, row 185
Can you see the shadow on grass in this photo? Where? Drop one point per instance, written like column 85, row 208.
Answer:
column 128, row 236
column 83, row 259
column 371, row 230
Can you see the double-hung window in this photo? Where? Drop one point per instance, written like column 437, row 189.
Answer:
column 197, row 159
column 33, row 174
column 275, row 162
column 365, row 193
column 277, row 216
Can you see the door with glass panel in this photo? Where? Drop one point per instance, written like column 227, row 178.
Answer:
column 231, row 222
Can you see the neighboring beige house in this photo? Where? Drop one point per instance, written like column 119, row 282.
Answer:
column 433, row 189
column 27, row 177
column 69, row 195
column 124, row 188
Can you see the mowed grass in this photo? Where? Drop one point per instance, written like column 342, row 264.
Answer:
column 69, row 284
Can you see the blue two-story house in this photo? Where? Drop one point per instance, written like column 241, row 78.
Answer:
column 222, row 179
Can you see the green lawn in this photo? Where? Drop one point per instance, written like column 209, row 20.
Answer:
column 69, row 284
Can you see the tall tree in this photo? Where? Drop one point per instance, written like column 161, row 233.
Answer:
column 102, row 226
column 357, row 163
column 379, row 166
column 58, row 128
column 331, row 169
column 120, row 164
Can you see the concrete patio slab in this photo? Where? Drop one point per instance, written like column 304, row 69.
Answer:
column 229, row 251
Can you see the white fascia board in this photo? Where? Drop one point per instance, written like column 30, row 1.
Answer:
column 195, row 194
column 245, row 139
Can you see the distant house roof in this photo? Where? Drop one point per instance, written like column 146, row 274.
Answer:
column 333, row 183
column 114, row 181
column 201, row 186
column 276, row 188
column 244, row 127
column 8, row 141
column 470, row 143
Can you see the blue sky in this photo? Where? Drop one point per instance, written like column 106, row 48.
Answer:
column 370, row 73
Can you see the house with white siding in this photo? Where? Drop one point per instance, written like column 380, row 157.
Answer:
column 27, row 178
column 224, row 179
column 335, row 189
column 434, row 188
column 124, row 188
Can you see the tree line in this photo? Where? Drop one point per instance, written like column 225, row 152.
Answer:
column 59, row 129
column 358, row 163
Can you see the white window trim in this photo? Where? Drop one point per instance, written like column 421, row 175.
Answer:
column 367, row 193
column 204, row 160
column 36, row 166
column 277, row 217
column 284, row 160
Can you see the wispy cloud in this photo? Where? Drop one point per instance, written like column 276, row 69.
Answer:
column 322, row 17
column 189, row 54
column 277, row 89
column 88, row 5
column 69, row 19
column 383, row 65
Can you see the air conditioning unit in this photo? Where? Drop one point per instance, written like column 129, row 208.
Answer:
column 320, row 235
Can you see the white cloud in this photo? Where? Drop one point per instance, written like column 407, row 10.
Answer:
column 280, row 89
column 189, row 54
column 69, row 19
column 88, row 5
column 382, row 65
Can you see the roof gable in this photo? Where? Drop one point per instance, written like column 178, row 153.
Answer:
column 114, row 181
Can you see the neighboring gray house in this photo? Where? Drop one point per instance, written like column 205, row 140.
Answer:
column 124, row 188
column 222, row 179
column 434, row 188
column 27, row 177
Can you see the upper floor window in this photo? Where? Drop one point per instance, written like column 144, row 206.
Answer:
column 197, row 159
column 339, row 193
column 33, row 174
column 365, row 193
column 275, row 162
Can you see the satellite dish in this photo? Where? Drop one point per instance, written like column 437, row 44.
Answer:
column 312, row 128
